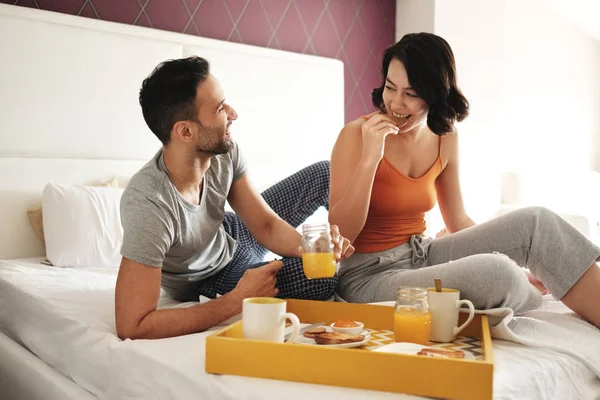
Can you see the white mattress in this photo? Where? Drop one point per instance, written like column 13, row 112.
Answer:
column 66, row 318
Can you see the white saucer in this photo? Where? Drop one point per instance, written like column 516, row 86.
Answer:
column 413, row 348
column 301, row 339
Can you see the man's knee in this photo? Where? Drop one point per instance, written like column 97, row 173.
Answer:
column 322, row 166
column 310, row 289
column 321, row 289
column 319, row 170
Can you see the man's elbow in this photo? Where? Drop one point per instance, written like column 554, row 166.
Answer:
column 267, row 228
column 128, row 330
column 125, row 333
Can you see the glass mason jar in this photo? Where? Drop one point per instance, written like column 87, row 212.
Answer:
column 318, row 260
column 412, row 317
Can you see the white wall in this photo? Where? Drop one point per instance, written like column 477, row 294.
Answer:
column 596, row 144
column 533, row 79
column 585, row 13
column 414, row 16
column 552, row 92
column 475, row 33
column 531, row 74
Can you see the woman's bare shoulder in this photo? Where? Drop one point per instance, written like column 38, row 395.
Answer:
column 355, row 126
column 449, row 146
column 349, row 139
column 352, row 129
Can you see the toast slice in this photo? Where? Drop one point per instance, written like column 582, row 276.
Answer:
column 435, row 352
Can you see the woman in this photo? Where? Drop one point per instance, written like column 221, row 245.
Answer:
column 390, row 167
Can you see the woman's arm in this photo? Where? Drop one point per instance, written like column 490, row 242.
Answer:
column 354, row 161
column 448, row 189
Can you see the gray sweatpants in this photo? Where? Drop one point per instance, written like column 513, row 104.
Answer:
column 483, row 262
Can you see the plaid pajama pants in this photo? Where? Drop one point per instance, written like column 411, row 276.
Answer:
column 294, row 199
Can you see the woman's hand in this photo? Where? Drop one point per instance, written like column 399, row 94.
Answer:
column 442, row 233
column 374, row 132
column 341, row 246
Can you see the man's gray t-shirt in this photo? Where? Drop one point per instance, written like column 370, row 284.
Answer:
column 162, row 229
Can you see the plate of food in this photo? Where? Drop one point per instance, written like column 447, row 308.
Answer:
column 427, row 351
column 325, row 336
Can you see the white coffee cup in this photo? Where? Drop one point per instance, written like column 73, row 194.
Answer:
column 444, row 307
column 263, row 318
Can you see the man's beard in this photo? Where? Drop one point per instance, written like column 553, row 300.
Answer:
column 222, row 146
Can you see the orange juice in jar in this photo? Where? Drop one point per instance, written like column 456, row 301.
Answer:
column 412, row 318
column 318, row 260
column 318, row 265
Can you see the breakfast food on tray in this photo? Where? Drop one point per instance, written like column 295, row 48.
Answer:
column 337, row 338
column 316, row 331
column 435, row 352
column 344, row 323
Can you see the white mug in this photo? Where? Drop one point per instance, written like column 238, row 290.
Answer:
column 444, row 307
column 263, row 318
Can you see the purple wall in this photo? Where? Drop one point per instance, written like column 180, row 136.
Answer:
column 354, row 31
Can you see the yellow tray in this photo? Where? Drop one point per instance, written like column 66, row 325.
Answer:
column 228, row 353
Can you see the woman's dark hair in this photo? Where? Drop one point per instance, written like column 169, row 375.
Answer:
column 168, row 95
column 431, row 71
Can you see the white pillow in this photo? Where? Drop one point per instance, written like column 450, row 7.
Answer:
column 82, row 225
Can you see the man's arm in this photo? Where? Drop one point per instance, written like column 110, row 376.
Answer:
column 267, row 227
column 138, row 290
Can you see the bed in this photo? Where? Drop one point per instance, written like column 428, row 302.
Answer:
column 70, row 115
column 65, row 317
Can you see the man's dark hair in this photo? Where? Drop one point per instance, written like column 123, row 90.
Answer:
column 168, row 95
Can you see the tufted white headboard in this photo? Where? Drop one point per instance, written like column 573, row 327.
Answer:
column 69, row 107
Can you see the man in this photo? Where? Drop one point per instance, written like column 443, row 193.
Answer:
column 176, row 230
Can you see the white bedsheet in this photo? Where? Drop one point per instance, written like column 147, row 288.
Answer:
column 24, row 376
column 66, row 317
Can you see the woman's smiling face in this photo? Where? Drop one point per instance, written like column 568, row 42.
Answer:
column 401, row 101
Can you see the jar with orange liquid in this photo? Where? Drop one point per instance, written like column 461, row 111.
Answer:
column 318, row 260
column 412, row 318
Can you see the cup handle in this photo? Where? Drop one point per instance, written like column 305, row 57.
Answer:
column 471, row 315
column 295, row 325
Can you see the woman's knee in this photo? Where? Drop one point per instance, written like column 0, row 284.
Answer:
column 502, row 272
column 504, row 284
column 536, row 213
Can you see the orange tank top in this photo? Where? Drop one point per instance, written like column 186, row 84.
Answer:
column 398, row 206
